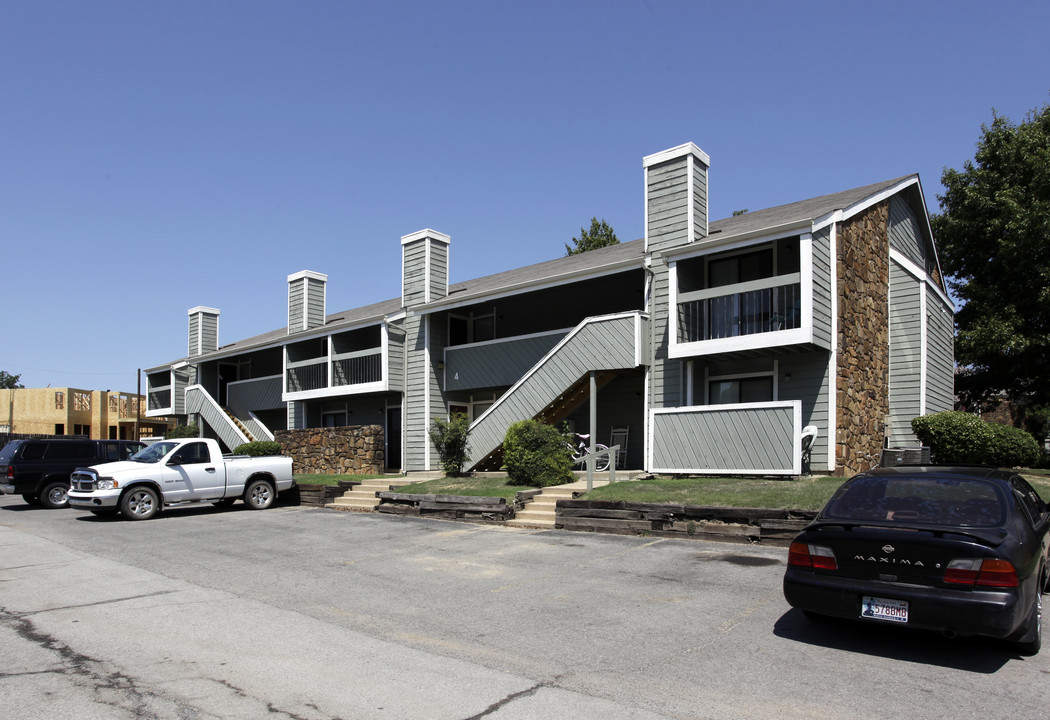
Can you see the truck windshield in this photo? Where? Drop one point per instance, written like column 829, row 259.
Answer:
column 153, row 453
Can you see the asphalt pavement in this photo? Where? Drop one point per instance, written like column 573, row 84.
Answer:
column 309, row 613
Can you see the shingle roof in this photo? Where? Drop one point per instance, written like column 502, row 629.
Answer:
column 590, row 263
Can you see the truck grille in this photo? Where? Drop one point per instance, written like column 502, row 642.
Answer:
column 82, row 481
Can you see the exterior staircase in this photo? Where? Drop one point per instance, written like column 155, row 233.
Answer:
column 542, row 511
column 240, row 425
column 362, row 498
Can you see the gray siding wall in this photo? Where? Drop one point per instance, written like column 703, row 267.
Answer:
column 905, row 235
column 665, row 377
column 262, row 394
column 809, row 383
column 667, row 204
column 940, row 354
column 438, row 275
column 823, row 303
column 905, row 354
column 743, row 439
column 415, row 385
column 193, row 344
column 296, row 300
column 415, row 268
column 496, row 364
column 315, row 308
column 296, row 415
column 183, row 379
column 699, row 198
column 396, row 356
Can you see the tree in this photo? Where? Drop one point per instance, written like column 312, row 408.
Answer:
column 9, row 382
column 600, row 235
column 994, row 240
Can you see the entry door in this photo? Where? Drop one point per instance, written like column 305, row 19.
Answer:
column 393, row 439
column 197, row 477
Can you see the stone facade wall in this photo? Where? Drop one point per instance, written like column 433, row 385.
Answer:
column 862, row 395
column 353, row 450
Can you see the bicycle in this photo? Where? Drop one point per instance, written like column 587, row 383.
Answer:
column 581, row 451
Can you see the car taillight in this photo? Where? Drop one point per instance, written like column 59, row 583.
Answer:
column 9, row 472
column 981, row 573
column 812, row 556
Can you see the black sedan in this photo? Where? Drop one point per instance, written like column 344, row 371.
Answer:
column 958, row 550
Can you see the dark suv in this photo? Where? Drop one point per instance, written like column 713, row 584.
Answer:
column 38, row 469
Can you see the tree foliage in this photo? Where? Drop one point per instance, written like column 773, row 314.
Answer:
column 450, row 437
column 600, row 235
column 9, row 382
column 994, row 240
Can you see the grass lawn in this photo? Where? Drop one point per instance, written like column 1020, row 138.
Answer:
column 482, row 486
column 794, row 494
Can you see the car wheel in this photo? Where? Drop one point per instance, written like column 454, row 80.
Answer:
column 54, row 495
column 140, row 503
column 1031, row 637
column 259, row 495
column 31, row 499
column 224, row 503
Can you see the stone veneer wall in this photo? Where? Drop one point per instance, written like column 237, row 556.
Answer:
column 353, row 450
column 863, row 371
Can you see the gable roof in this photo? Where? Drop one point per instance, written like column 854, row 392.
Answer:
column 593, row 263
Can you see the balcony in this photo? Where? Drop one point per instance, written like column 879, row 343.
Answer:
column 760, row 306
column 360, row 371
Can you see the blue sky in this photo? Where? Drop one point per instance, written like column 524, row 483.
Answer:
column 156, row 156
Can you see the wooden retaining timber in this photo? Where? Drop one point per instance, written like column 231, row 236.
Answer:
column 751, row 525
column 450, row 507
column 320, row 495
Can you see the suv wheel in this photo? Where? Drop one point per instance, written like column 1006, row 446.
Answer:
column 53, row 495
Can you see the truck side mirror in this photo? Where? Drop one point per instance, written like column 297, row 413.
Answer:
column 175, row 460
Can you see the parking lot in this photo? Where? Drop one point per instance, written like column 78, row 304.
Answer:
column 307, row 613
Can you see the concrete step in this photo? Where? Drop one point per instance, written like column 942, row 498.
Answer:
column 363, row 496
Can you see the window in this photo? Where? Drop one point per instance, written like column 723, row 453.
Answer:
column 64, row 450
column 60, row 429
column 195, row 453
column 81, row 401
column 740, row 390
column 472, row 328
column 60, row 400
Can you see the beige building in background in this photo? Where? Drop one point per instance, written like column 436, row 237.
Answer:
column 97, row 414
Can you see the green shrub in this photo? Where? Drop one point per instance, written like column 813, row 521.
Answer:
column 1011, row 447
column 953, row 436
column 183, row 431
column 450, row 439
column 257, row 448
column 535, row 455
column 959, row 437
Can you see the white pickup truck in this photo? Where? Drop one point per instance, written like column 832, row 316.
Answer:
column 178, row 472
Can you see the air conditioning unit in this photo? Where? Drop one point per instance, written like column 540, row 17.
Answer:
column 892, row 457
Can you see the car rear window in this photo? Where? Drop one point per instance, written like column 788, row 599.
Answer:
column 8, row 451
column 927, row 500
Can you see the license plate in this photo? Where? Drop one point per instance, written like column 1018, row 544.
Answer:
column 878, row 608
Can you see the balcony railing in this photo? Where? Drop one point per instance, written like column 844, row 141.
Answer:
column 747, row 308
column 159, row 399
column 357, row 367
column 348, row 369
column 307, row 375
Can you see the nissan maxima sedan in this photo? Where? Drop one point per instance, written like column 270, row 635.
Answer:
column 958, row 550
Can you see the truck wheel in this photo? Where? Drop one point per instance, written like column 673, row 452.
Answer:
column 140, row 503
column 31, row 499
column 259, row 495
column 53, row 495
